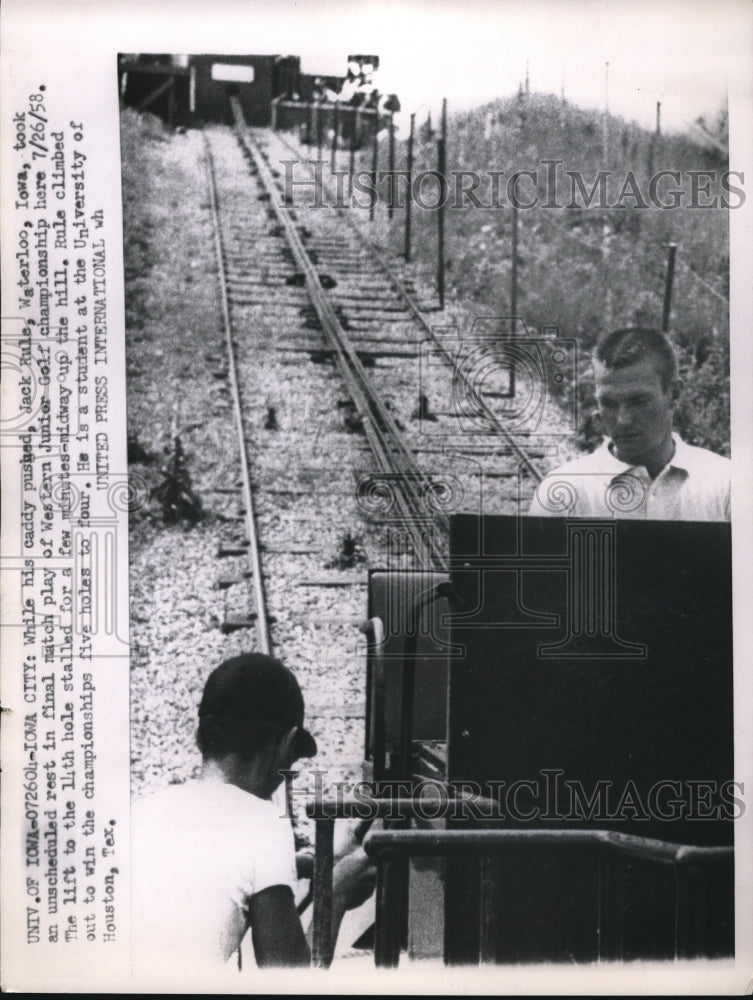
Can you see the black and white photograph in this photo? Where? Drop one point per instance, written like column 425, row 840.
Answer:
column 379, row 460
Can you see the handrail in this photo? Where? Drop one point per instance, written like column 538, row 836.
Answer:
column 390, row 809
column 392, row 848
column 433, row 843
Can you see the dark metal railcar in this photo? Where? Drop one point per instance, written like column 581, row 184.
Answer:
column 195, row 89
column 255, row 80
column 556, row 716
column 187, row 90
column 156, row 83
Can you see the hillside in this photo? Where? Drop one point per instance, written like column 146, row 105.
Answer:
column 586, row 267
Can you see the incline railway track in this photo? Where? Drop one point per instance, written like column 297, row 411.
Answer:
column 312, row 314
column 396, row 297
column 254, row 555
column 404, row 296
column 385, row 439
column 289, row 451
column 368, row 313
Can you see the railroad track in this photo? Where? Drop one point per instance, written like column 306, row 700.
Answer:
column 393, row 457
column 406, row 299
column 371, row 320
column 307, row 593
column 346, row 457
column 371, row 326
column 259, row 615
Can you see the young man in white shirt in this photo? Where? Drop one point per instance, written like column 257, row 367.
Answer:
column 214, row 857
column 643, row 469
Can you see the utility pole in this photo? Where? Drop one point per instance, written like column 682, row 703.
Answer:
column 441, row 167
column 408, row 204
column 606, row 113
column 668, row 282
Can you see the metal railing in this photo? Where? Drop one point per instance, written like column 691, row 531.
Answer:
column 391, row 849
column 389, row 809
column 318, row 118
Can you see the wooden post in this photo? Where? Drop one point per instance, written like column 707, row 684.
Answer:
column 334, row 137
column 606, row 114
column 441, row 166
column 658, row 117
column 514, row 271
column 391, row 167
column 374, row 164
column 668, row 281
column 312, row 124
column 318, row 130
column 513, row 291
column 322, row 945
column 171, row 103
column 352, row 163
column 409, row 204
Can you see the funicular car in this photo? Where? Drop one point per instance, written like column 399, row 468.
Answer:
column 550, row 732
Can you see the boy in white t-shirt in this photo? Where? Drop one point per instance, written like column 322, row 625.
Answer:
column 214, row 857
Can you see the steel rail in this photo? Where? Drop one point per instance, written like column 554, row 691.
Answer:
column 262, row 626
column 377, row 253
column 411, row 483
column 379, row 424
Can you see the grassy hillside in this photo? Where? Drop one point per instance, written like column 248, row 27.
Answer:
column 587, row 269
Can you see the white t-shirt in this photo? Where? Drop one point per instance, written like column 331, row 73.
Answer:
column 693, row 486
column 200, row 851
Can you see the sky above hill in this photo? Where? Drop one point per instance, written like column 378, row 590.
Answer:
column 471, row 51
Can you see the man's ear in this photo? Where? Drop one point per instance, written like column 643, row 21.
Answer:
column 675, row 390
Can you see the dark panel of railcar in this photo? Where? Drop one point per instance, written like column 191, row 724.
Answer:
column 599, row 652
column 154, row 84
column 273, row 76
column 415, row 638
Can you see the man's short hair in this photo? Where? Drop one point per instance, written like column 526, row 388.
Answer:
column 622, row 348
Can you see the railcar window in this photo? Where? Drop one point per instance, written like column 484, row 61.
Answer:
column 232, row 73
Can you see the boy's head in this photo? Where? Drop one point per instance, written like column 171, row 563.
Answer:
column 250, row 701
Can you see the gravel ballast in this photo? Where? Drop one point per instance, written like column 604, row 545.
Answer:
column 304, row 460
